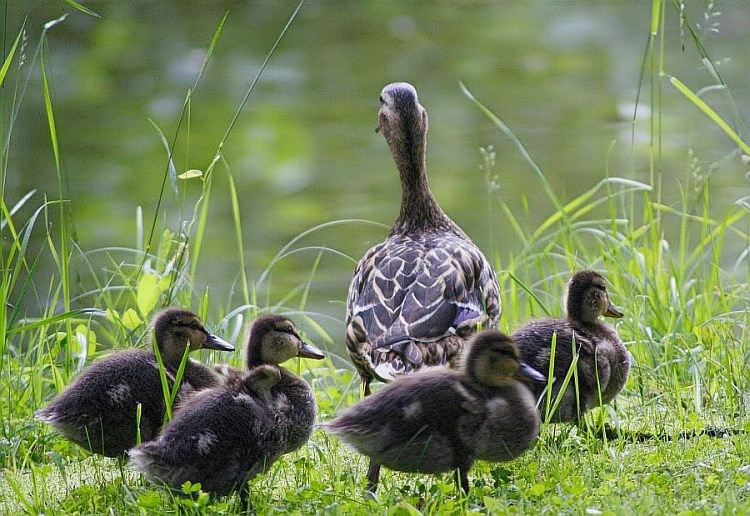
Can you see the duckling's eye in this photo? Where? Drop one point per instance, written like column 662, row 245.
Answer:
column 286, row 329
column 194, row 326
column 504, row 353
column 382, row 100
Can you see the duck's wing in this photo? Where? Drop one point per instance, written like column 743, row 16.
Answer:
column 408, row 293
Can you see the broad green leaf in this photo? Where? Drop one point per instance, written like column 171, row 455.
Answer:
column 130, row 319
column 147, row 293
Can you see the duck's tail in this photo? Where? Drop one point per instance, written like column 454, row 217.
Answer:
column 147, row 460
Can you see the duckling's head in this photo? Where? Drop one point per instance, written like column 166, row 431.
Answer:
column 274, row 339
column 493, row 359
column 175, row 327
column 402, row 120
column 587, row 298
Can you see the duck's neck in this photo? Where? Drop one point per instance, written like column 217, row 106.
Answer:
column 171, row 352
column 419, row 210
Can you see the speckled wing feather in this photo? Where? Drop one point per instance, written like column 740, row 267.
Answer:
column 413, row 300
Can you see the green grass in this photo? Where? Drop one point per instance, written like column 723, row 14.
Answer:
column 687, row 325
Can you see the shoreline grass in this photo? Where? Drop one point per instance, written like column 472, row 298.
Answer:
column 687, row 325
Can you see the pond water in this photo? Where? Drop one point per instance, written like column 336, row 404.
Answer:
column 563, row 75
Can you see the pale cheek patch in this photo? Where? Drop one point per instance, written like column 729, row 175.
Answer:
column 119, row 393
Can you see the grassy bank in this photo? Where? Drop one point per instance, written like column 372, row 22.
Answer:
column 685, row 294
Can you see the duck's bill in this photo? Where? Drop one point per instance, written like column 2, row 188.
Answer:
column 309, row 351
column 526, row 373
column 613, row 311
column 214, row 342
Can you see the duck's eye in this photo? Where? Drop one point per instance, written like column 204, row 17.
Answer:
column 382, row 100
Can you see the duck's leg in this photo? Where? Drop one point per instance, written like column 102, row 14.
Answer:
column 463, row 463
column 373, row 471
column 366, row 386
column 373, row 476
column 121, row 465
column 247, row 506
column 462, row 478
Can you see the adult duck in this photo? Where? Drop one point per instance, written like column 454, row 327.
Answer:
column 98, row 411
column 415, row 297
column 603, row 363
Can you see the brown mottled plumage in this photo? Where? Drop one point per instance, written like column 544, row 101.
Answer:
column 600, row 351
column 224, row 436
column 442, row 419
column 98, row 410
column 417, row 296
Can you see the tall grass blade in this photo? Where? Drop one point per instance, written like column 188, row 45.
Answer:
column 710, row 113
column 82, row 8
column 9, row 58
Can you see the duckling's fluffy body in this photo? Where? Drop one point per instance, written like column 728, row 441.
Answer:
column 439, row 419
column 415, row 297
column 603, row 362
column 98, row 410
column 223, row 436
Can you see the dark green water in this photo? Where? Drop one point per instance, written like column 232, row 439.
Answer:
column 562, row 75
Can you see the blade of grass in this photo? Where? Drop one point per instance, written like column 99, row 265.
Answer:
column 709, row 112
column 9, row 58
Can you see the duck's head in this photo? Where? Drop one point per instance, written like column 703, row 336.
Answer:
column 402, row 120
column 175, row 327
column 587, row 298
column 493, row 359
column 274, row 339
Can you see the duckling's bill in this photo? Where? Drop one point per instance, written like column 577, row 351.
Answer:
column 613, row 311
column 214, row 342
column 526, row 373
column 307, row 350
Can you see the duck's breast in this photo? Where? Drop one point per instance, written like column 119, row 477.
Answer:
column 612, row 357
column 511, row 426
column 293, row 406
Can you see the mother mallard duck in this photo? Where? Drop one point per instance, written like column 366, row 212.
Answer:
column 417, row 296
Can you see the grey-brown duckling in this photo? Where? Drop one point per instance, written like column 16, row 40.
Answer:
column 603, row 361
column 222, row 437
column 97, row 410
column 440, row 419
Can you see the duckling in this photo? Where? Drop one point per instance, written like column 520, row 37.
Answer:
column 441, row 419
column 224, row 436
column 98, row 410
column 603, row 361
column 417, row 296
